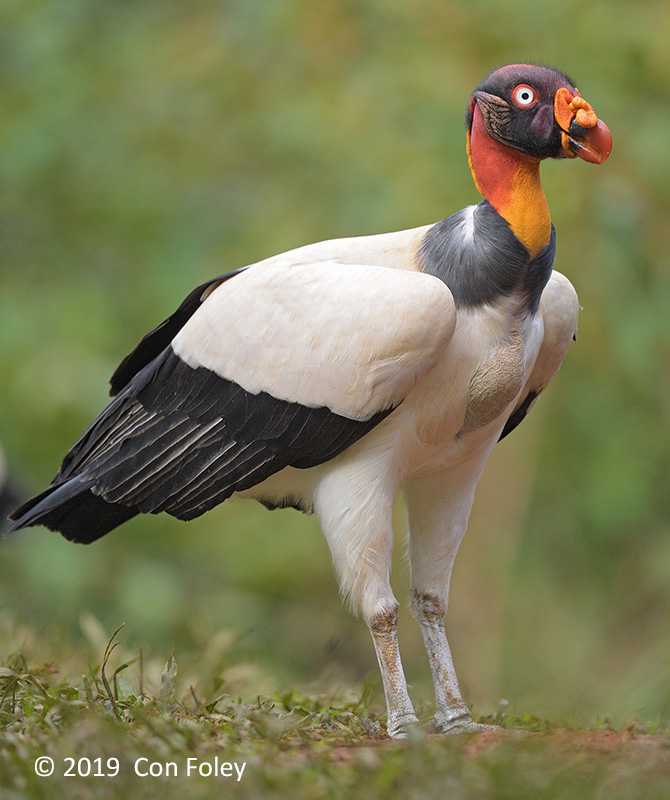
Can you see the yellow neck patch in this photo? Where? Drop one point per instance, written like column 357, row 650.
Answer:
column 510, row 181
column 526, row 208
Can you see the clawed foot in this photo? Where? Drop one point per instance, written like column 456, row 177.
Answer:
column 463, row 724
column 399, row 728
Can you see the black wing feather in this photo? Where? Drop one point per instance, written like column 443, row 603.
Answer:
column 518, row 416
column 181, row 439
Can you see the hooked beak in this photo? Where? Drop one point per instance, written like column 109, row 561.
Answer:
column 583, row 134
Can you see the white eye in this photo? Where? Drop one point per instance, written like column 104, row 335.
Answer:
column 524, row 95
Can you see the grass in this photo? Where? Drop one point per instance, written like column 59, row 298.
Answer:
column 122, row 717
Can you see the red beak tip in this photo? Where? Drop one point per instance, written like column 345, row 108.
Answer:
column 597, row 144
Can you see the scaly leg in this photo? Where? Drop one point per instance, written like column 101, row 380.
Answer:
column 451, row 713
column 438, row 510
column 384, row 630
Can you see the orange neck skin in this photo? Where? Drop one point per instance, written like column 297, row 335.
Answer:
column 510, row 181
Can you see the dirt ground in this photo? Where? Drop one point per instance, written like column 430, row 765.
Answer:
column 626, row 743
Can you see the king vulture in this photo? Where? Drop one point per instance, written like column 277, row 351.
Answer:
column 332, row 376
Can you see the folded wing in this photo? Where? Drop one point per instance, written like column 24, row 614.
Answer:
column 282, row 365
column 559, row 309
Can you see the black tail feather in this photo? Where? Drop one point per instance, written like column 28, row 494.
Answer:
column 72, row 509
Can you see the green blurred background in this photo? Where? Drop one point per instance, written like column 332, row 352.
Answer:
column 146, row 147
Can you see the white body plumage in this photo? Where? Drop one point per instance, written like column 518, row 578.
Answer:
column 328, row 325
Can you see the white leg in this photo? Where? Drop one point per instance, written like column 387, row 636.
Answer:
column 451, row 713
column 356, row 519
column 384, row 630
column 438, row 511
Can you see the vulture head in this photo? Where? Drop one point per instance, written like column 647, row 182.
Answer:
column 539, row 112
